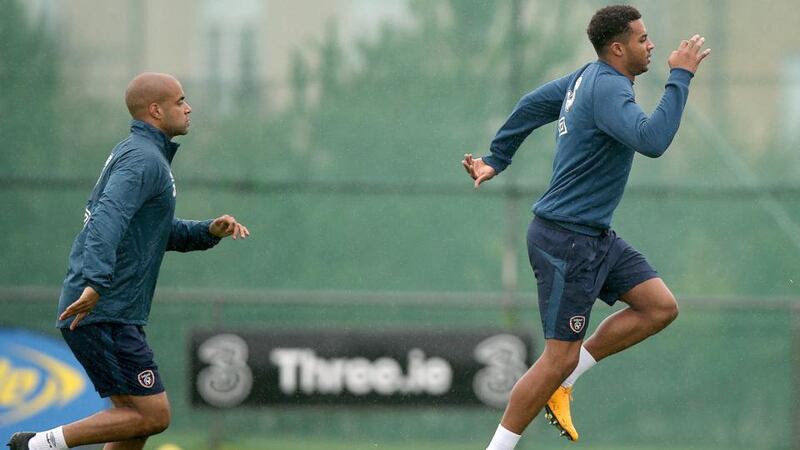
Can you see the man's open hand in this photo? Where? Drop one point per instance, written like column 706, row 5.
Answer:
column 477, row 169
column 81, row 307
column 226, row 225
column 689, row 55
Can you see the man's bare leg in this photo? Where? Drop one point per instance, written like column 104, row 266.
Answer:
column 132, row 444
column 126, row 426
column 651, row 307
column 531, row 392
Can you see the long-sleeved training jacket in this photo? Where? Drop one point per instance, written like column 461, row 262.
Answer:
column 600, row 127
column 129, row 223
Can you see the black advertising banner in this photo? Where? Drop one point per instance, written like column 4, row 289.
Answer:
column 232, row 368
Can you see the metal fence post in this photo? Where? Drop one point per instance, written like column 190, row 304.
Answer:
column 795, row 377
column 511, row 193
column 218, row 416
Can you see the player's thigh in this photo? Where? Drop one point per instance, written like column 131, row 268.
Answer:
column 651, row 295
column 154, row 406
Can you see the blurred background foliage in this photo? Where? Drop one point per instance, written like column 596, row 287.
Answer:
column 354, row 184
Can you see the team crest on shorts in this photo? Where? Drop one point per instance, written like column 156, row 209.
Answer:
column 576, row 323
column 147, row 378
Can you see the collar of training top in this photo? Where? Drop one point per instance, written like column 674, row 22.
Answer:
column 164, row 143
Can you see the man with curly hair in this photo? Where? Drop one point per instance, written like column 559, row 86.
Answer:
column 575, row 254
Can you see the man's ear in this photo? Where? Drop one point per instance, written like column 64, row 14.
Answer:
column 616, row 49
column 155, row 111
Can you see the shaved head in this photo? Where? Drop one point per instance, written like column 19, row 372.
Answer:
column 158, row 99
column 148, row 88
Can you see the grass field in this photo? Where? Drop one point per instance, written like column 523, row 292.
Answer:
column 188, row 442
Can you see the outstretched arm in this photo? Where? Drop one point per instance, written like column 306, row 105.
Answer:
column 535, row 109
column 191, row 235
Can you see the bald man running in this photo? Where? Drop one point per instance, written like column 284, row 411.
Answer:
column 129, row 223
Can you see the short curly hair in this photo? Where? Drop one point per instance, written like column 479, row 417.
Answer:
column 609, row 24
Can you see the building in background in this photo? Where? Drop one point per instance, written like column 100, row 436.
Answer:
column 228, row 50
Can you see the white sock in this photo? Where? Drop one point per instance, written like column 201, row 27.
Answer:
column 503, row 440
column 48, row 440
column 585, row 362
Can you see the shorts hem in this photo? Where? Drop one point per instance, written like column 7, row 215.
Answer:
column 636, row 279
column 106, row 394
column 567, row 339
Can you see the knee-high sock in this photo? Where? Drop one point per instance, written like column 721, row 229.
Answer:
column 585, row 362
column 503, row 440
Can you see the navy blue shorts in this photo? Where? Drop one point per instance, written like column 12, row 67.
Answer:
column 574, row 269
column 116, row 357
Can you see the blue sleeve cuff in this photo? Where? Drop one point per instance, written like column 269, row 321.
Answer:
column 208, row 239
column 99, row 289
column 680, row 74
column 495, row 163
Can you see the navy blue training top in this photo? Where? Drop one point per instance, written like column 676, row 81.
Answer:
column 600, row 127
column 129, row 223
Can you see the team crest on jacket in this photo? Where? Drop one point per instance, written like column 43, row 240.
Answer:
column 576, row 323
column 147, row 378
